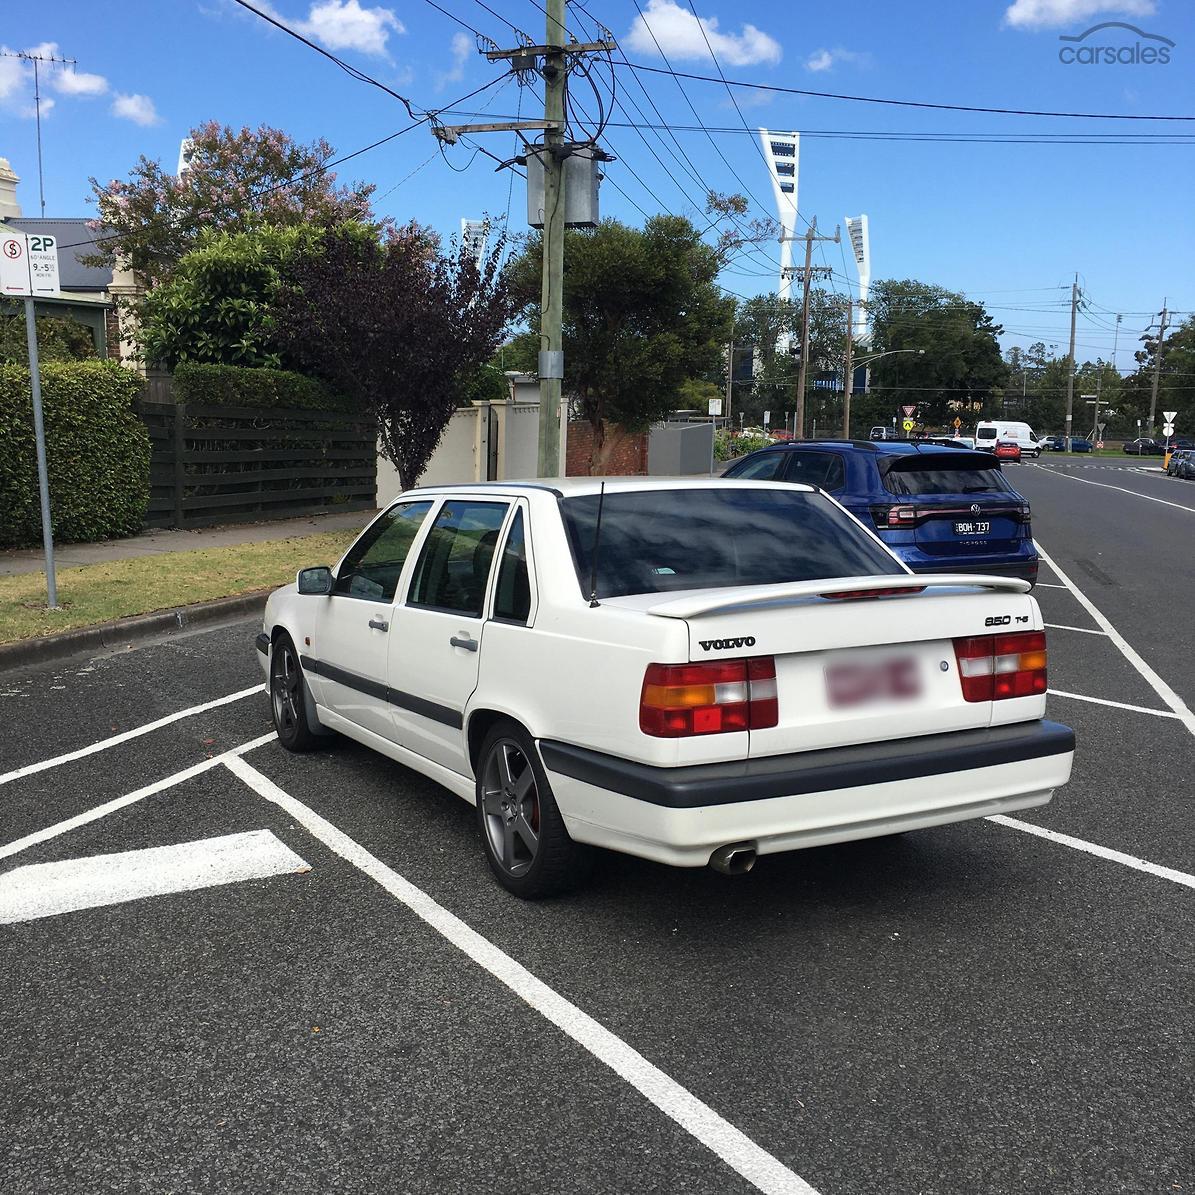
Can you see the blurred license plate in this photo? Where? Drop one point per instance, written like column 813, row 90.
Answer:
column 973, row 528
column 862, row 682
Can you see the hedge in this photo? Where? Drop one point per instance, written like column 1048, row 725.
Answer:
column 238, row 386
column 96, row 446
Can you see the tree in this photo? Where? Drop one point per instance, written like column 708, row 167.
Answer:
column 397, row 326
column 215, row 306
column 237, row 182
column 960, row 369
column 642, row 315
column 58, row 338
column 1176, row 382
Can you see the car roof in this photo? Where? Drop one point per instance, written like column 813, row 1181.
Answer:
column 575, row 487
column 890, row 448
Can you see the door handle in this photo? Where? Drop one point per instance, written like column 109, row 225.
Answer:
column 463, row 641
column 379, row 624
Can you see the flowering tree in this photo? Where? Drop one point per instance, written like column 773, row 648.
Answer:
column 398, row 326
column 236, row 182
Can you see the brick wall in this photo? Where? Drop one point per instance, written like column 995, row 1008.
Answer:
column 628, row 459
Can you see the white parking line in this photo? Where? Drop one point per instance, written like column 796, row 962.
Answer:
column 91, row 815
column 1049, row 585
column 125, row 736
column 734, row 1147
column 1120, row 705
column 1058, row 626
column 1160, row 687
column 1120, row 489
column 68, row 885
column 1102, row 852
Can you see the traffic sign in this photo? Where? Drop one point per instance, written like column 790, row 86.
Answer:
column 957, row 423
column 1168, row 429
column 1169, row 415
column 907, row 425
column 767, row 418
column 28, row 264
column 715, row 406
column 909, row 410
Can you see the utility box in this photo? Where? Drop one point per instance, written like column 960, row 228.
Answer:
column 582, row 173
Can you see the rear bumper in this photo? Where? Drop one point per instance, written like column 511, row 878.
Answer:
column 1025, row 570
column 681, row 815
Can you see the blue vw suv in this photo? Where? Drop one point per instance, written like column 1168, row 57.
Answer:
column 940, row 509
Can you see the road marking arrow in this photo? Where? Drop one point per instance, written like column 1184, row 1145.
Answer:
column 48, row 889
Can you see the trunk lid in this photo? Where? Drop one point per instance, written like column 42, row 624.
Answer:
column 856, row 668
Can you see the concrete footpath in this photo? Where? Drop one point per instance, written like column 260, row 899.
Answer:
column 154, row 543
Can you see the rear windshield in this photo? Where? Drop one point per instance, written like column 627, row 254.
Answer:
column 933, row 475
column 654, row 541
column 985, row 433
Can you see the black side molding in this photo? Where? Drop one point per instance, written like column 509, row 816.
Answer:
column 263, row 643
column 407, row 701
column 809, row 771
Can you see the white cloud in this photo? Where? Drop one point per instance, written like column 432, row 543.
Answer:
column 72, row 82
column 345, row 25
column 680, row 36
column 137, row 108
column 12, row 75
column 29, row 111
column 1043, row 14
column 824, row 60
column 462, row 50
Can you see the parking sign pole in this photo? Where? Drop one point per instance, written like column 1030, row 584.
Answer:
column 39, row 432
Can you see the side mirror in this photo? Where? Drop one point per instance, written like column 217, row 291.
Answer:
column 317, row 581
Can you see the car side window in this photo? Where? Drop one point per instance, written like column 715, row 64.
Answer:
column 763, row 467
column 454, row 566
column 372, row 567
column 823, row 469
column 512, row 598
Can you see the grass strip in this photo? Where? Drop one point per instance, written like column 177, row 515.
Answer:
column 96, row 593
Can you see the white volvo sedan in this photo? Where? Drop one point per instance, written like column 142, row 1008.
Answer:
column 696, row 672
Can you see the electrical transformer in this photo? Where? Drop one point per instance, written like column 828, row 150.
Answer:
column 582, row 173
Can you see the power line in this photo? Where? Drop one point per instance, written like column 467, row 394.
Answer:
column 868, row 99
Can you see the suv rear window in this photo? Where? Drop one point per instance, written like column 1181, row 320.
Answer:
column 932, row 475
column 654, row 541
column 986, row 433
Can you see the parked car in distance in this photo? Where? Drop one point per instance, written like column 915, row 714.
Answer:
column 989, row 432
column 695, row 672
column 939, row 509
column 1079, row 444
column 1186, row 469
column 1054, row 443
column 1174, row 443
column 1142, row 446
column 1008, row 450
column 879, row 432
column 1178, row 460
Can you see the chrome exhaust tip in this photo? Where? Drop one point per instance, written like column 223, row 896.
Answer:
column 734, row 859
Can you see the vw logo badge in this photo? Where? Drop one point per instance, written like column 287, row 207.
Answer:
column 975, row 508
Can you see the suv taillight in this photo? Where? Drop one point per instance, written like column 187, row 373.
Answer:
column 891, row 518
column 995, row 667
column 679, row 700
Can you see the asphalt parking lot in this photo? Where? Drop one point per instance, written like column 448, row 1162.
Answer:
column 342, row 999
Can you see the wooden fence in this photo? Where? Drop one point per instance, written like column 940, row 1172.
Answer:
column 217, row 464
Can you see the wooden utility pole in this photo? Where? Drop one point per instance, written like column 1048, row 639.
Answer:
column 806, row 279
column 1070, row 364
column 1153, row 386
column 848, row 383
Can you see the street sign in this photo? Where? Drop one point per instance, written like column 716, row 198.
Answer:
column 28, row 264
column 767, row 418
column 715, row 406
column 1168, row 429
column 1169, row 415
column 907, row 425
column 957, row 423
column 43, row 264
column 909, row 411
column 14, row 264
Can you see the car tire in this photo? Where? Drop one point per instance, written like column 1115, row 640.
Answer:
column 523, row 834
column 288, row 698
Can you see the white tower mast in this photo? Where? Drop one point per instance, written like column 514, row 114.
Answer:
column 782, row 152
column 856, row 228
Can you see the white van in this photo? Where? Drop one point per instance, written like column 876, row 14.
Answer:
column 989, row 431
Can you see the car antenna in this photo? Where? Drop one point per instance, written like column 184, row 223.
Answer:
column 593, row 555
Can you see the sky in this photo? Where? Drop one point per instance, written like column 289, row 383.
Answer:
column 1009, row 223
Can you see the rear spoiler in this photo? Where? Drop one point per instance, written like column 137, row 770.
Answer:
column 716, row 601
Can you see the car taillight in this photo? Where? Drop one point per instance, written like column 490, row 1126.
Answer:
column 688, row 699
column 894, row 517
column 995, row 667
column 859, row 594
